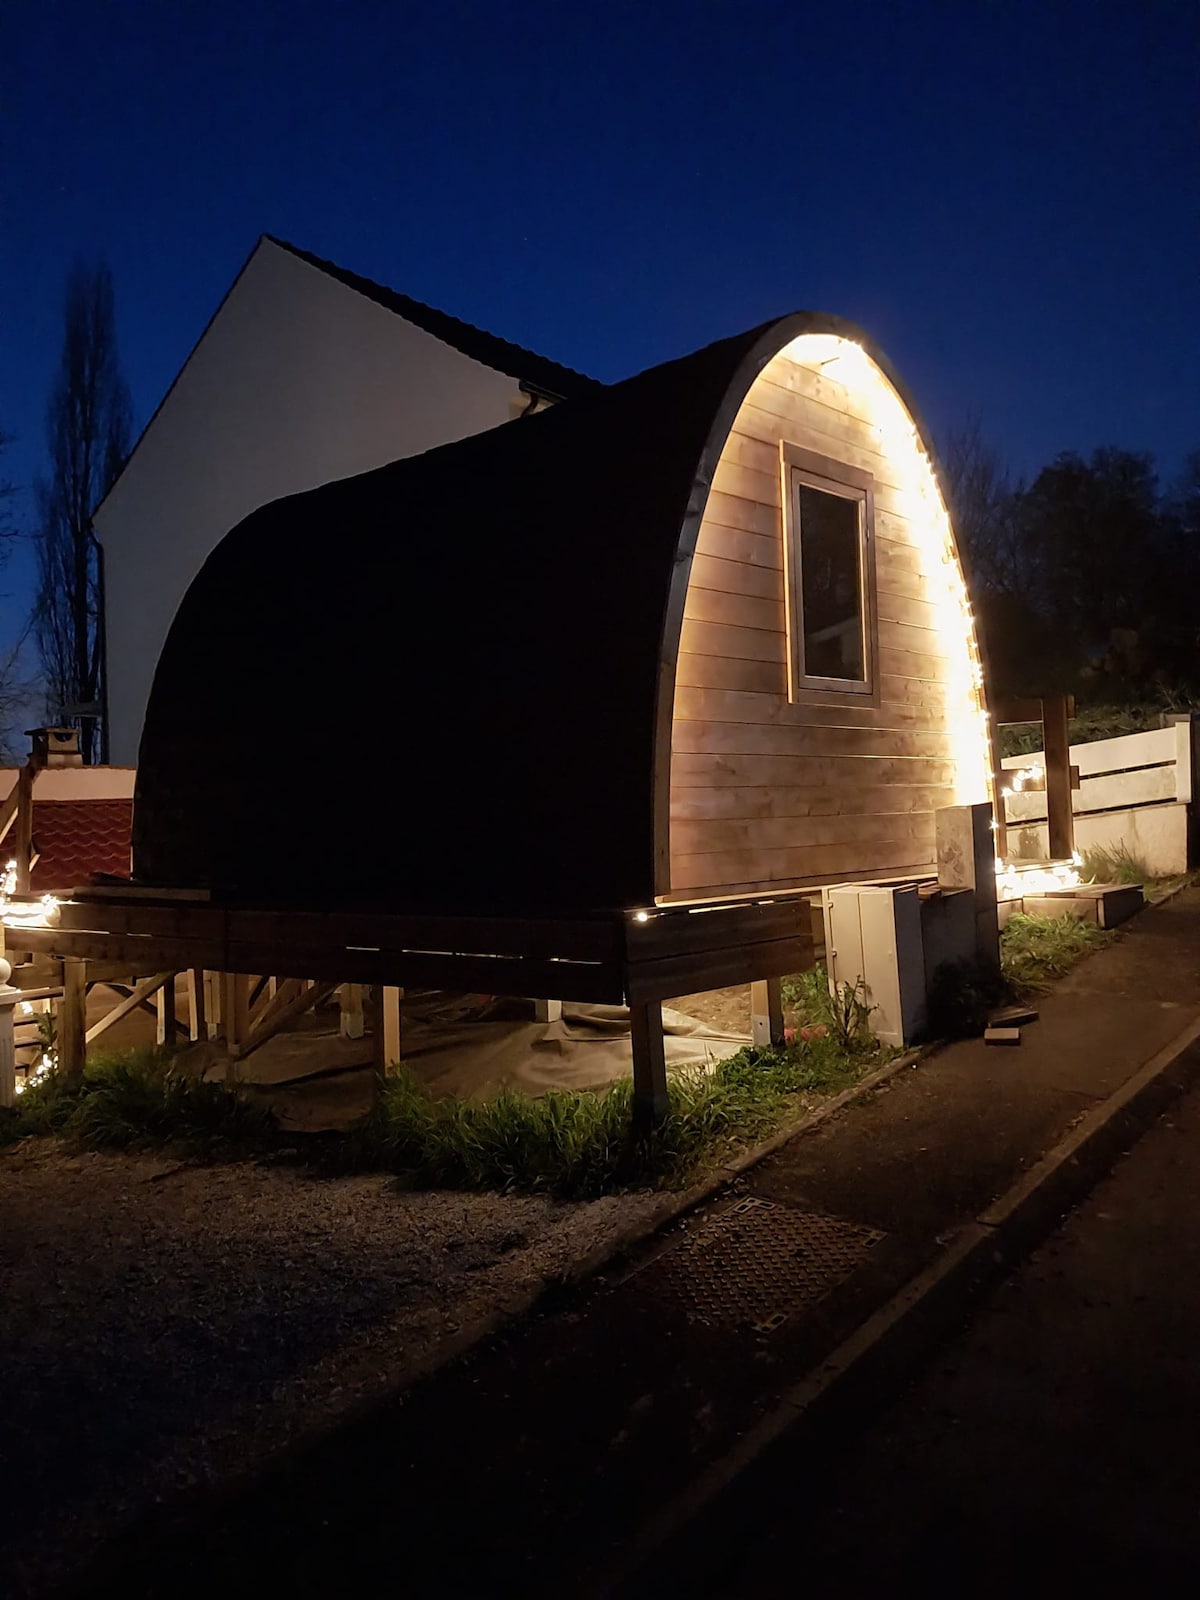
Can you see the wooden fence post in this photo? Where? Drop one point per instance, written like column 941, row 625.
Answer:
column 1056, row 754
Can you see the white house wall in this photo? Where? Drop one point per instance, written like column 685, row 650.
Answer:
column 299, row 380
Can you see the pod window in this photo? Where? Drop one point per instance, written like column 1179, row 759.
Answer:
column 829, row 561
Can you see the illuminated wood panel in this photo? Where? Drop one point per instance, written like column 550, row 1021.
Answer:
column 765, row 791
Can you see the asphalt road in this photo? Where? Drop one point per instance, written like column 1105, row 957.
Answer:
column 1056, row 1440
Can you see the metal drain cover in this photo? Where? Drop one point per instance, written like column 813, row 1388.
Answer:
column 757, row 1263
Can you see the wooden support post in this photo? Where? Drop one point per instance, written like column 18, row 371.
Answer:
column 23, row 841
column 8, row 1054
column 235, row 1009
column 386, row 1027
column 650, row 1099
column 1056, row 744
column 766, row 1011
column 195, row 1000
column 212, row 1004
column 71, row 1030
column 351, row 1022
column 547, row 1010
column 164, row 1009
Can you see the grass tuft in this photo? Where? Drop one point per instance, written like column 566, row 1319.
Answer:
column 131, row 1100
column 1036, row 950
column 1114, row 864
column 579, row 1144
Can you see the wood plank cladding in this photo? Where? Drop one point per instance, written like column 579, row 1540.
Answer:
column 766, row 792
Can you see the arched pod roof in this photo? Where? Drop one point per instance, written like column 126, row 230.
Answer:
column 437, row 686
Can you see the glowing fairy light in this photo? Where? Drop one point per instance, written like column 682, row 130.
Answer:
column 28, row 913
column 1014, row 881
column 913, row 489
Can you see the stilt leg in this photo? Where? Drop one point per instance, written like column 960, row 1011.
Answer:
column 385, row 1027
column 766, row 1011
column 164, row 1009
column 352, row 1025
column 650, row 1100
column 72, row 1019
column 195, row 997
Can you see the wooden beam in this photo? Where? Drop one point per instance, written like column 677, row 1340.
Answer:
column 651, row 1101
column 195, row 1003
column 166, row 1023
column 288, row 1004
column 71, row 1033
column 133, row 1000
column 23, row 842
column 766, row 1011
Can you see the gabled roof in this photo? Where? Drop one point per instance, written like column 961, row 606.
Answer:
column 534, row 371
column 75, row 838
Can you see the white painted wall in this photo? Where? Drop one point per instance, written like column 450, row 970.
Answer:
column 299, row 380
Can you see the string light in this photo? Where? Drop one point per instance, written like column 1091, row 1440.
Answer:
column 24, row 913
column 919, row 502
column 1013, row 880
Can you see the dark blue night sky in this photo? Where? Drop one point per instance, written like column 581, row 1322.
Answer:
column 1005, row 195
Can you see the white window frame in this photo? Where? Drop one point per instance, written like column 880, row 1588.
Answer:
column 799, row 466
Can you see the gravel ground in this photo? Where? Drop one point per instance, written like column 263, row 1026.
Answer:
column 165, row 1325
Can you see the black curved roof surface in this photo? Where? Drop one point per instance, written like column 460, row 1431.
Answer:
column 447, row 684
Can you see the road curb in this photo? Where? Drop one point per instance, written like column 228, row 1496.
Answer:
column 865, row 1368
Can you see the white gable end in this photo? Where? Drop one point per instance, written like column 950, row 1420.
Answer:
column 298, row 380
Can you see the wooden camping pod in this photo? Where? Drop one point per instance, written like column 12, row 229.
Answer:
column 552, row 662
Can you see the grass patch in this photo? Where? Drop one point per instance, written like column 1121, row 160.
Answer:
column 578, row 1144
column 1114, row 864
column 132, row 1101
column 1034, row 951
column 573, row 1144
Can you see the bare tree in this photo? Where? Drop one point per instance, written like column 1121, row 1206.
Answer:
column 982, row 505
column 87, row 440
column 16, row 689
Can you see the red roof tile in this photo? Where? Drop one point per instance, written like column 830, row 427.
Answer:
column 74, row 838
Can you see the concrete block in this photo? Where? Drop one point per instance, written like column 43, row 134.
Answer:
column 966, row 851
